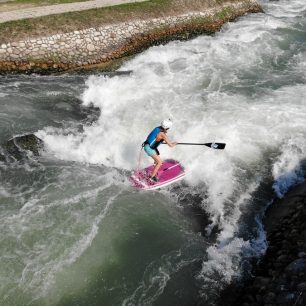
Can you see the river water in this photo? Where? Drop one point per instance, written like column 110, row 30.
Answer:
column 73, row 232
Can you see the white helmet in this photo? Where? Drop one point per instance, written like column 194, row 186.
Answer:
column 166, row 124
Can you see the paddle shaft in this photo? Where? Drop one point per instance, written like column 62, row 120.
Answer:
column 213, row 145
column 192, row 144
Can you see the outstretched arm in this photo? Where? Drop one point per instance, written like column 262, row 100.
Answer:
column 167, row 140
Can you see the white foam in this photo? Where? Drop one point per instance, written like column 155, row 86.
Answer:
column 287, row 170
column 283, row 9
column 156, row 276
column 222, row 88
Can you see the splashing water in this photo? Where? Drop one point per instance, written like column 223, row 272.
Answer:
column 243, row 86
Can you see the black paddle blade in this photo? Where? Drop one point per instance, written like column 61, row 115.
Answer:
column 215, row 145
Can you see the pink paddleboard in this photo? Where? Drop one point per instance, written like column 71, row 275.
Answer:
column 171, row 171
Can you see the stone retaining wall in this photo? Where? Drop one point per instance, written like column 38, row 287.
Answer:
column 279, row 278
column 103, row 44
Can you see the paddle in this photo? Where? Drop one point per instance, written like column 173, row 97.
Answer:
column 213, row 145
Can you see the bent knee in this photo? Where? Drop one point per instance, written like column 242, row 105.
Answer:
column 158, row 161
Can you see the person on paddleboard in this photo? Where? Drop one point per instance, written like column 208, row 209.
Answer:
column 154, row 139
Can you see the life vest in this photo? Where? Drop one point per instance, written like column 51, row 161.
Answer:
column 151, row 139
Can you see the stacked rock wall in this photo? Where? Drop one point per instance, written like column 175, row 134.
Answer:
column 97, row 45
column 280, row 276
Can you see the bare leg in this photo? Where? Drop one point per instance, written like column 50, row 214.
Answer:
column 158, row 162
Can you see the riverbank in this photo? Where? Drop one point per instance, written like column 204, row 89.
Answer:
column 102, row 40
column 280, row 276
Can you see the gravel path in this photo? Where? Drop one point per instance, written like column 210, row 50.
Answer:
column 59, row 8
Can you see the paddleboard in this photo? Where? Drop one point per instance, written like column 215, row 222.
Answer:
column 170, row 172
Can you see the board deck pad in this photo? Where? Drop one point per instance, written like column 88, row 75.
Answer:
column 170, row 171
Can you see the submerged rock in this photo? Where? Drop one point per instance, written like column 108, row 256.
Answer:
column 64, row 106
column 280, row 276
column 297, row 266
column 285, row 298
column 20, row 146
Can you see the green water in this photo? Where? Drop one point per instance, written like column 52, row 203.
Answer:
column 73, row 231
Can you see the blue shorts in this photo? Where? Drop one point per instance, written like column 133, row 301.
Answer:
column 150, row 152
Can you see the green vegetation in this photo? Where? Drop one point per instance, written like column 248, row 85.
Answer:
column 67, row 22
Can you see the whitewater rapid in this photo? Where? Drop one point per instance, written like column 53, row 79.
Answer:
column 244, row 86
column 231, row 87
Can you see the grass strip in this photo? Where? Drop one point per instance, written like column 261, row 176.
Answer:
column 68, row 22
